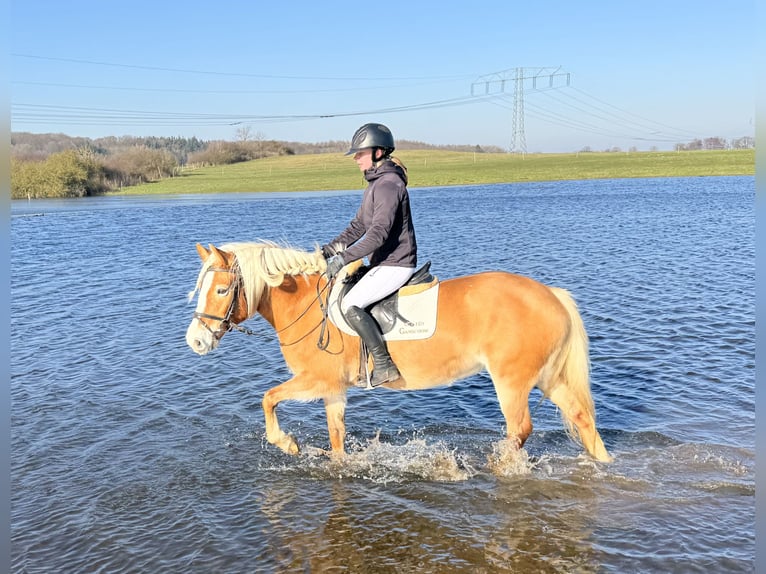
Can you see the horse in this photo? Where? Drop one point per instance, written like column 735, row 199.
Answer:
column 523, row 333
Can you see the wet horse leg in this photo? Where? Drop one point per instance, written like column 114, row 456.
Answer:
column 299, row 388
column 513, row 396
column 582, row 419
column 336, row 423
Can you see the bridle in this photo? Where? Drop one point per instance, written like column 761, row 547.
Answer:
column 225, row 324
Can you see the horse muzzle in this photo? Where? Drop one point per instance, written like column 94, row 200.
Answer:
column 201, row 338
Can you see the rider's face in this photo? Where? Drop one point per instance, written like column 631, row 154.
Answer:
column 363, row 159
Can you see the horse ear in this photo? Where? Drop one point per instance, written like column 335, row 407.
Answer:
column 224, row 256
column 203, row 253
column 214, row 251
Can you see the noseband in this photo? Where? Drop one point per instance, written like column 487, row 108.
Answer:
column 225, row 325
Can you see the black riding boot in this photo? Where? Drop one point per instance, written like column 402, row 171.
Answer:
column 384, row 369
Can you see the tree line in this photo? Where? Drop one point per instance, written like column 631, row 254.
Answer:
column 58, row 165
column 717, row 143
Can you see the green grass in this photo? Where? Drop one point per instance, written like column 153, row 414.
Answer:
column 440, row 168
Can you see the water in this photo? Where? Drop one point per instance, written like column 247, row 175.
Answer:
column 132, row 454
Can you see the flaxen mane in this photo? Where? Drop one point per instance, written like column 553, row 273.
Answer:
column 266, row 264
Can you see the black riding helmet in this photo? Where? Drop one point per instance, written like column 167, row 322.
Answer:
column 374, row 136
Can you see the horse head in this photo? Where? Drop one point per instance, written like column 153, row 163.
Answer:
column 233, row 281
column 221, row 303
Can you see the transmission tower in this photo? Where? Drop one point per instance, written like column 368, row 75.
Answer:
column 518, row 139
column 523, row 79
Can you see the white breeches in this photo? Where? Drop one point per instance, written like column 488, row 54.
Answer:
column 376, row 284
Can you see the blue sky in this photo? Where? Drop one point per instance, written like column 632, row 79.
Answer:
column 628, row 74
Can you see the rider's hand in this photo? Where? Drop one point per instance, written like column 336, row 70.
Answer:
column 327, row 251
column 334, row 265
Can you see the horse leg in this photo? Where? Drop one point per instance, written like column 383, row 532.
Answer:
column 513, row 397
column 336, row 423
column 299, row 388
column 580, row 418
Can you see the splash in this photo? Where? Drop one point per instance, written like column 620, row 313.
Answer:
column 390, row 463
column 507, row 459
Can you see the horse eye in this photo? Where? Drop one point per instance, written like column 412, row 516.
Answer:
column 222, row 290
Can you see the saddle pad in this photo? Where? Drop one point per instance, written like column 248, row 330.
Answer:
column 419, row 309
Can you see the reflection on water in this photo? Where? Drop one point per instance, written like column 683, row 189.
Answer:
column 131, row 454
column 368, row 527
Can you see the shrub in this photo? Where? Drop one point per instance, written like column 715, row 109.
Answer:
column 65, row 174
column 139, row 164
column 225, row 153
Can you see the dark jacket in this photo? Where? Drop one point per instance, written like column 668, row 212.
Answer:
column 382, row 228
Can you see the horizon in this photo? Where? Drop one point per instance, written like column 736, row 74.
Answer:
column 407, row 143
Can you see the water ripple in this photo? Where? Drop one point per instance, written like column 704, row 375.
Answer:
column 131, row 454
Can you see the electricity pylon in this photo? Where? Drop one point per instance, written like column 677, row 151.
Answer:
column 534, row 78
column 518, row 138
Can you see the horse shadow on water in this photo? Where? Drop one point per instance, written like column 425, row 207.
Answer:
column 547, row 349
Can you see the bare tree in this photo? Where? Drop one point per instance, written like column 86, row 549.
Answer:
column 745, row 142
column 715, row 143
column 243, row 133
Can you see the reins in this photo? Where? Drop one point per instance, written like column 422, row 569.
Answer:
column 324, row 337
column 323, row 341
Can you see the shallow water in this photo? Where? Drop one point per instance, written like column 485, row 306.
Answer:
column 132, row 454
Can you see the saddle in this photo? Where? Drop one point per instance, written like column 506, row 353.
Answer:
column 386, row 311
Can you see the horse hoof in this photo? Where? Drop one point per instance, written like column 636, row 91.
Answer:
column 286, row 443
column 290, row 446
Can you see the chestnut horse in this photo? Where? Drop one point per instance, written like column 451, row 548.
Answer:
column 525, row 334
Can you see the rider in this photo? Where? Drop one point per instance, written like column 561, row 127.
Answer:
column 382, row 231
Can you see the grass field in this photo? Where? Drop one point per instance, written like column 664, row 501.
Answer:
column 429, row 168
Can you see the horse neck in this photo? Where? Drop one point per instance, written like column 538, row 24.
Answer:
column 291, row 303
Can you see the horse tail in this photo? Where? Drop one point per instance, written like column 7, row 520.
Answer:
column 572, row 370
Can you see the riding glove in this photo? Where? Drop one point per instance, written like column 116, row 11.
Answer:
column 334, row 265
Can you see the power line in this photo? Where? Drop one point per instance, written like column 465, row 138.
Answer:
column 217, row 92
column 590, row 115
column 231, row 74
column 610, row 118
column 542, row 93
column 609, row 129
column 630, row 113
column 68, row 115
column 497, row 82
